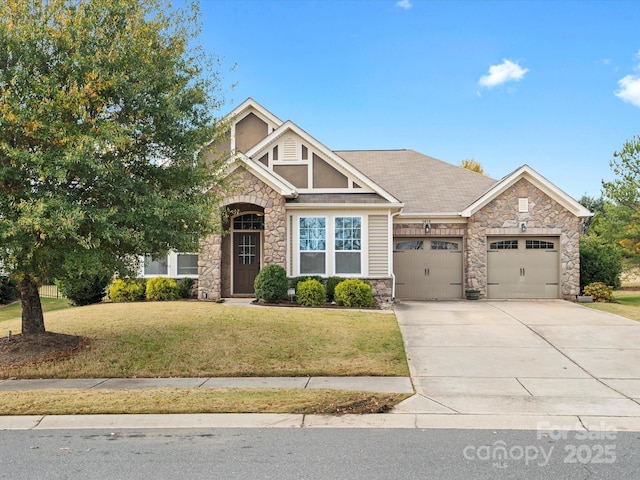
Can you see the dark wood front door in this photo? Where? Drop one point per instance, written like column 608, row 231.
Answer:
column 246, row 261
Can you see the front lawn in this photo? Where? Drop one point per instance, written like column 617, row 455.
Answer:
column 627, row 304
column 201, row 339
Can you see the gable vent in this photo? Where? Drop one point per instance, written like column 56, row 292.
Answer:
column 290, row 149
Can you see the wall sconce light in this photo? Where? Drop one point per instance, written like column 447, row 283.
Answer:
column 427, row 226
column 523, row 226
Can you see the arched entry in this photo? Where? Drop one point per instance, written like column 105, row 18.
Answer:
column 247, row 238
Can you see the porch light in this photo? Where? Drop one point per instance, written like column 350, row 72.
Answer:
column 523, row 226
column 427, row 226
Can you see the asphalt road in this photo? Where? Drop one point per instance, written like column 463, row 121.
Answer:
column 317, row 454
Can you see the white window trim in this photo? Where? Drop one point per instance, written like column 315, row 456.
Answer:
column 330, row 252
column 172, row 267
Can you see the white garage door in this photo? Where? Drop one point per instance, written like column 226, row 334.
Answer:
column 428, row 268
column 523, row 267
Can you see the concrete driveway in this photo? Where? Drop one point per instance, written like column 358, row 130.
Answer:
column 520, row 358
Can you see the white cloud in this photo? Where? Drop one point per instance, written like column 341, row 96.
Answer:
column 629, row 90
column 505, row 72
column 406, row 4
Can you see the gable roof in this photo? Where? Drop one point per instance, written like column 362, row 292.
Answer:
column 535, row 179
column 426, row 185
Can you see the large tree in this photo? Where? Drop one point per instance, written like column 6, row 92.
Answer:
column 622, row 211
column 103, row 107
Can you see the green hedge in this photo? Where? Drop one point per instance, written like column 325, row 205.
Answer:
column 354, row 293
column 311, row 293
column 271, row 284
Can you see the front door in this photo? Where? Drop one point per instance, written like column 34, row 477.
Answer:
column 246, row 261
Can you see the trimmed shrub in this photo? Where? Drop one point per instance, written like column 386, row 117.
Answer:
column 599, row 262
column 162, row 289
column 8, row 290
column 311, row 293
column 599, row 291
column 185, row 287
column 331, row 287
column 84, row 288
column 354, row 293
column 271, row 284
column 293, row 282
column 127, row 290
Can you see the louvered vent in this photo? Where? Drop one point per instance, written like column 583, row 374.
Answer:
column 290, row 149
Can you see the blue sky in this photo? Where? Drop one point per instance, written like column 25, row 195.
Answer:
column 553, row 84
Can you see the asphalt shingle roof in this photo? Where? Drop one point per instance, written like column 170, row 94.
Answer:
column 424, row 184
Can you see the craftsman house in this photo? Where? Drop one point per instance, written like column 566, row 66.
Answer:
column 413, row 226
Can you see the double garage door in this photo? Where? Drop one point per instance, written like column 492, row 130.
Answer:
column 427, row 268
column 517, row 267
column 523, row 267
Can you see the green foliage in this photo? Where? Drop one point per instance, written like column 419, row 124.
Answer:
column 161, row 289
column 623, row 214
column 185, row 286
column 95, row 96
column 127, row 290
column 599, row 262
column 599, row 291
column 354, row 293
column 293, row 282
column 331, row 287
column 84, row 288
column 8, row 290
column 271, row 284
column 311, row 293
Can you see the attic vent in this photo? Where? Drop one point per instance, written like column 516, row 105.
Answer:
column 290, row 149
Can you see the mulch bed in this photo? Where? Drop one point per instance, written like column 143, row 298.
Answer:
column 23, row 350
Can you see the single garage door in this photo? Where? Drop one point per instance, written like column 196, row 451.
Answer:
column 523, row 267
column 428, row 268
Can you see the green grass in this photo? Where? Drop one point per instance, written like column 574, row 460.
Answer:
column 185, row 400
column 14, row 310
column 202, row 339
column 627, row 304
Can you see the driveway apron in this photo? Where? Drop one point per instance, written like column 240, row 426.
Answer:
column 520, row 358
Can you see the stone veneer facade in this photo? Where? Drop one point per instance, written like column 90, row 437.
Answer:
column 246, row 189
column 545, row 217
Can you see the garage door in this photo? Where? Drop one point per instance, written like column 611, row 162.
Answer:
column 428, row 268
column 523, row 267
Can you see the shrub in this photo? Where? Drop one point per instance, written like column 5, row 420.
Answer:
column 162, row 289
column 271, row 284
column 354, row 293
column 331, row 287
column 8, row 290
column 293, row 282
column 185, row 287
column 599, row 262
column 599, row 291
column 311, row 293
column 127, row 290
column 84, row 288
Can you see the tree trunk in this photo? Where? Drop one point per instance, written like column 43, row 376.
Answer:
column 32, row 318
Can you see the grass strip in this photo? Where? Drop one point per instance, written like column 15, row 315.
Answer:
column 187, row 400
column 627, row 304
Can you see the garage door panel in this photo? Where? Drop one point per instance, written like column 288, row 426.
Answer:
column 524, row 267
column 428, row 268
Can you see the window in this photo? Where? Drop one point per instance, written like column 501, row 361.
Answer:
column 442, row 245
column 313, row 244
column 348, row 244
column 187, row 264
column 504, row 245
column 248, row 221
column 155, row 266
column 539, row 245
column 410, row 245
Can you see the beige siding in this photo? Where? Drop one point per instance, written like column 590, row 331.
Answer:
column 325, row 176
column 378, row 245
column 249, row 131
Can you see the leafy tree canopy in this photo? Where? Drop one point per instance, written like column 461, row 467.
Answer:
column 473, row 165
column 103, row 107
column 622, row 212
